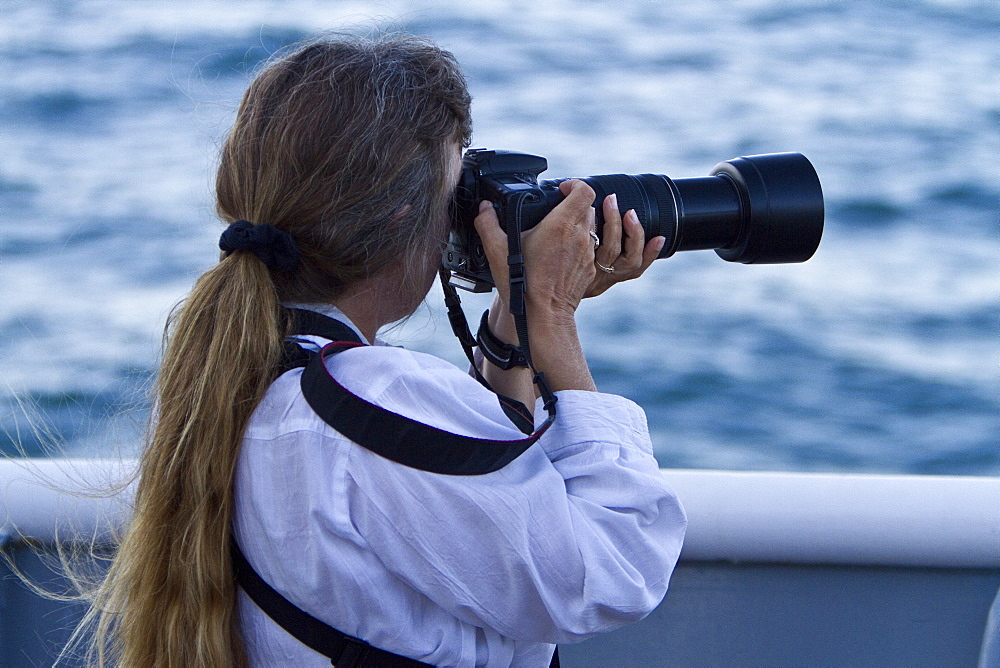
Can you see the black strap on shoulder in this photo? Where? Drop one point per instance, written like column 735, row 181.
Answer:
column 381, row 431
column 400, row 438
column 344, row 651
column 305, row 322
column 302, row 323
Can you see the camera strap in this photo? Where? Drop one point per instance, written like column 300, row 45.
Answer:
column 512, row 224
column 517, row 412
column 518, row 297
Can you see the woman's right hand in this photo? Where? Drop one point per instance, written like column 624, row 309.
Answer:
column 558, row 253
column 559, row 268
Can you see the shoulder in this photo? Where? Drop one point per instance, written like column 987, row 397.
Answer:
column 370, row 371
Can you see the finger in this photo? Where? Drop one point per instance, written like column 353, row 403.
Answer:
column 572, row 220
column 611, row 233
column 635, row 239
column 489, row 229
column 629, row 263
column 651, row 252
column 579, row 204
column 494, row 240
column 577, row 194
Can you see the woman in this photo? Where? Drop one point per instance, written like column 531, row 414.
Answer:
column 344, row 158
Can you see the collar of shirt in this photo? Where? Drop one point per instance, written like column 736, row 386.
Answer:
column 331, row 311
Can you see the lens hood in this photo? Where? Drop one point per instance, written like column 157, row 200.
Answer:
column 782, row 208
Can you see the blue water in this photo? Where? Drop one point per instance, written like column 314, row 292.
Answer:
column 880, row 354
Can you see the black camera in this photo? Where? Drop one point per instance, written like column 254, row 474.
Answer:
column 761, row 209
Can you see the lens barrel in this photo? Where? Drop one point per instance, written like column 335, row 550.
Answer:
column 758, row 209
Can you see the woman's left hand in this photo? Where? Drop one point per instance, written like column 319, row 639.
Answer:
column 626, row 261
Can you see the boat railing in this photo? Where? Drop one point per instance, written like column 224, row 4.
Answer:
column 778, row 568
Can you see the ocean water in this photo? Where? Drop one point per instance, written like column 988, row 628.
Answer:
column 880, row 354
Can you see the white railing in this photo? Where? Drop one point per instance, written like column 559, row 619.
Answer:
column 891, row 520
column 887, row 520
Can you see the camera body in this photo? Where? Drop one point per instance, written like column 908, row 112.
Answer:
column 509, row 180
column 754, row 209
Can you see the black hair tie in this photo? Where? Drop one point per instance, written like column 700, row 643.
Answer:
column 274, row 247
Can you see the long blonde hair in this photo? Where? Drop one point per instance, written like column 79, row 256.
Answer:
column 345, row 145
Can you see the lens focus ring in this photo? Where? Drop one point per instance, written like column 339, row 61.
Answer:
column 648, row 194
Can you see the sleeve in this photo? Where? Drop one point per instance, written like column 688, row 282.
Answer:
column 578, row 536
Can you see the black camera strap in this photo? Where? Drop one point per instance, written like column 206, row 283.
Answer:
column 518, row 297
column 517, row 412
column 518, row 309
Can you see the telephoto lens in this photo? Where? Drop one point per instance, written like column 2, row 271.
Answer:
column 758, row 209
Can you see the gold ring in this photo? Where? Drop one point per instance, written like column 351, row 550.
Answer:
column 600, row 266
column 597, row 241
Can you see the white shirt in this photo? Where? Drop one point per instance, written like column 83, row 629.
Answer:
column 575, row 537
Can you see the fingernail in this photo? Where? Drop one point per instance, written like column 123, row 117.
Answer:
column 614, row 199
column 485, row 204
column 633, row 216
column 659, row 244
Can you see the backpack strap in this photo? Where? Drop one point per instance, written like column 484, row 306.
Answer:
column 343, row 650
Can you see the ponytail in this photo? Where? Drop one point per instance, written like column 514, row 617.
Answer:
column 172, row 578
column 348, row 148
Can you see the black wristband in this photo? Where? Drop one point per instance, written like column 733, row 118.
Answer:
column 500, row 354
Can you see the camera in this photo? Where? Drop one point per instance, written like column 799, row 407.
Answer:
column 757, row 209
